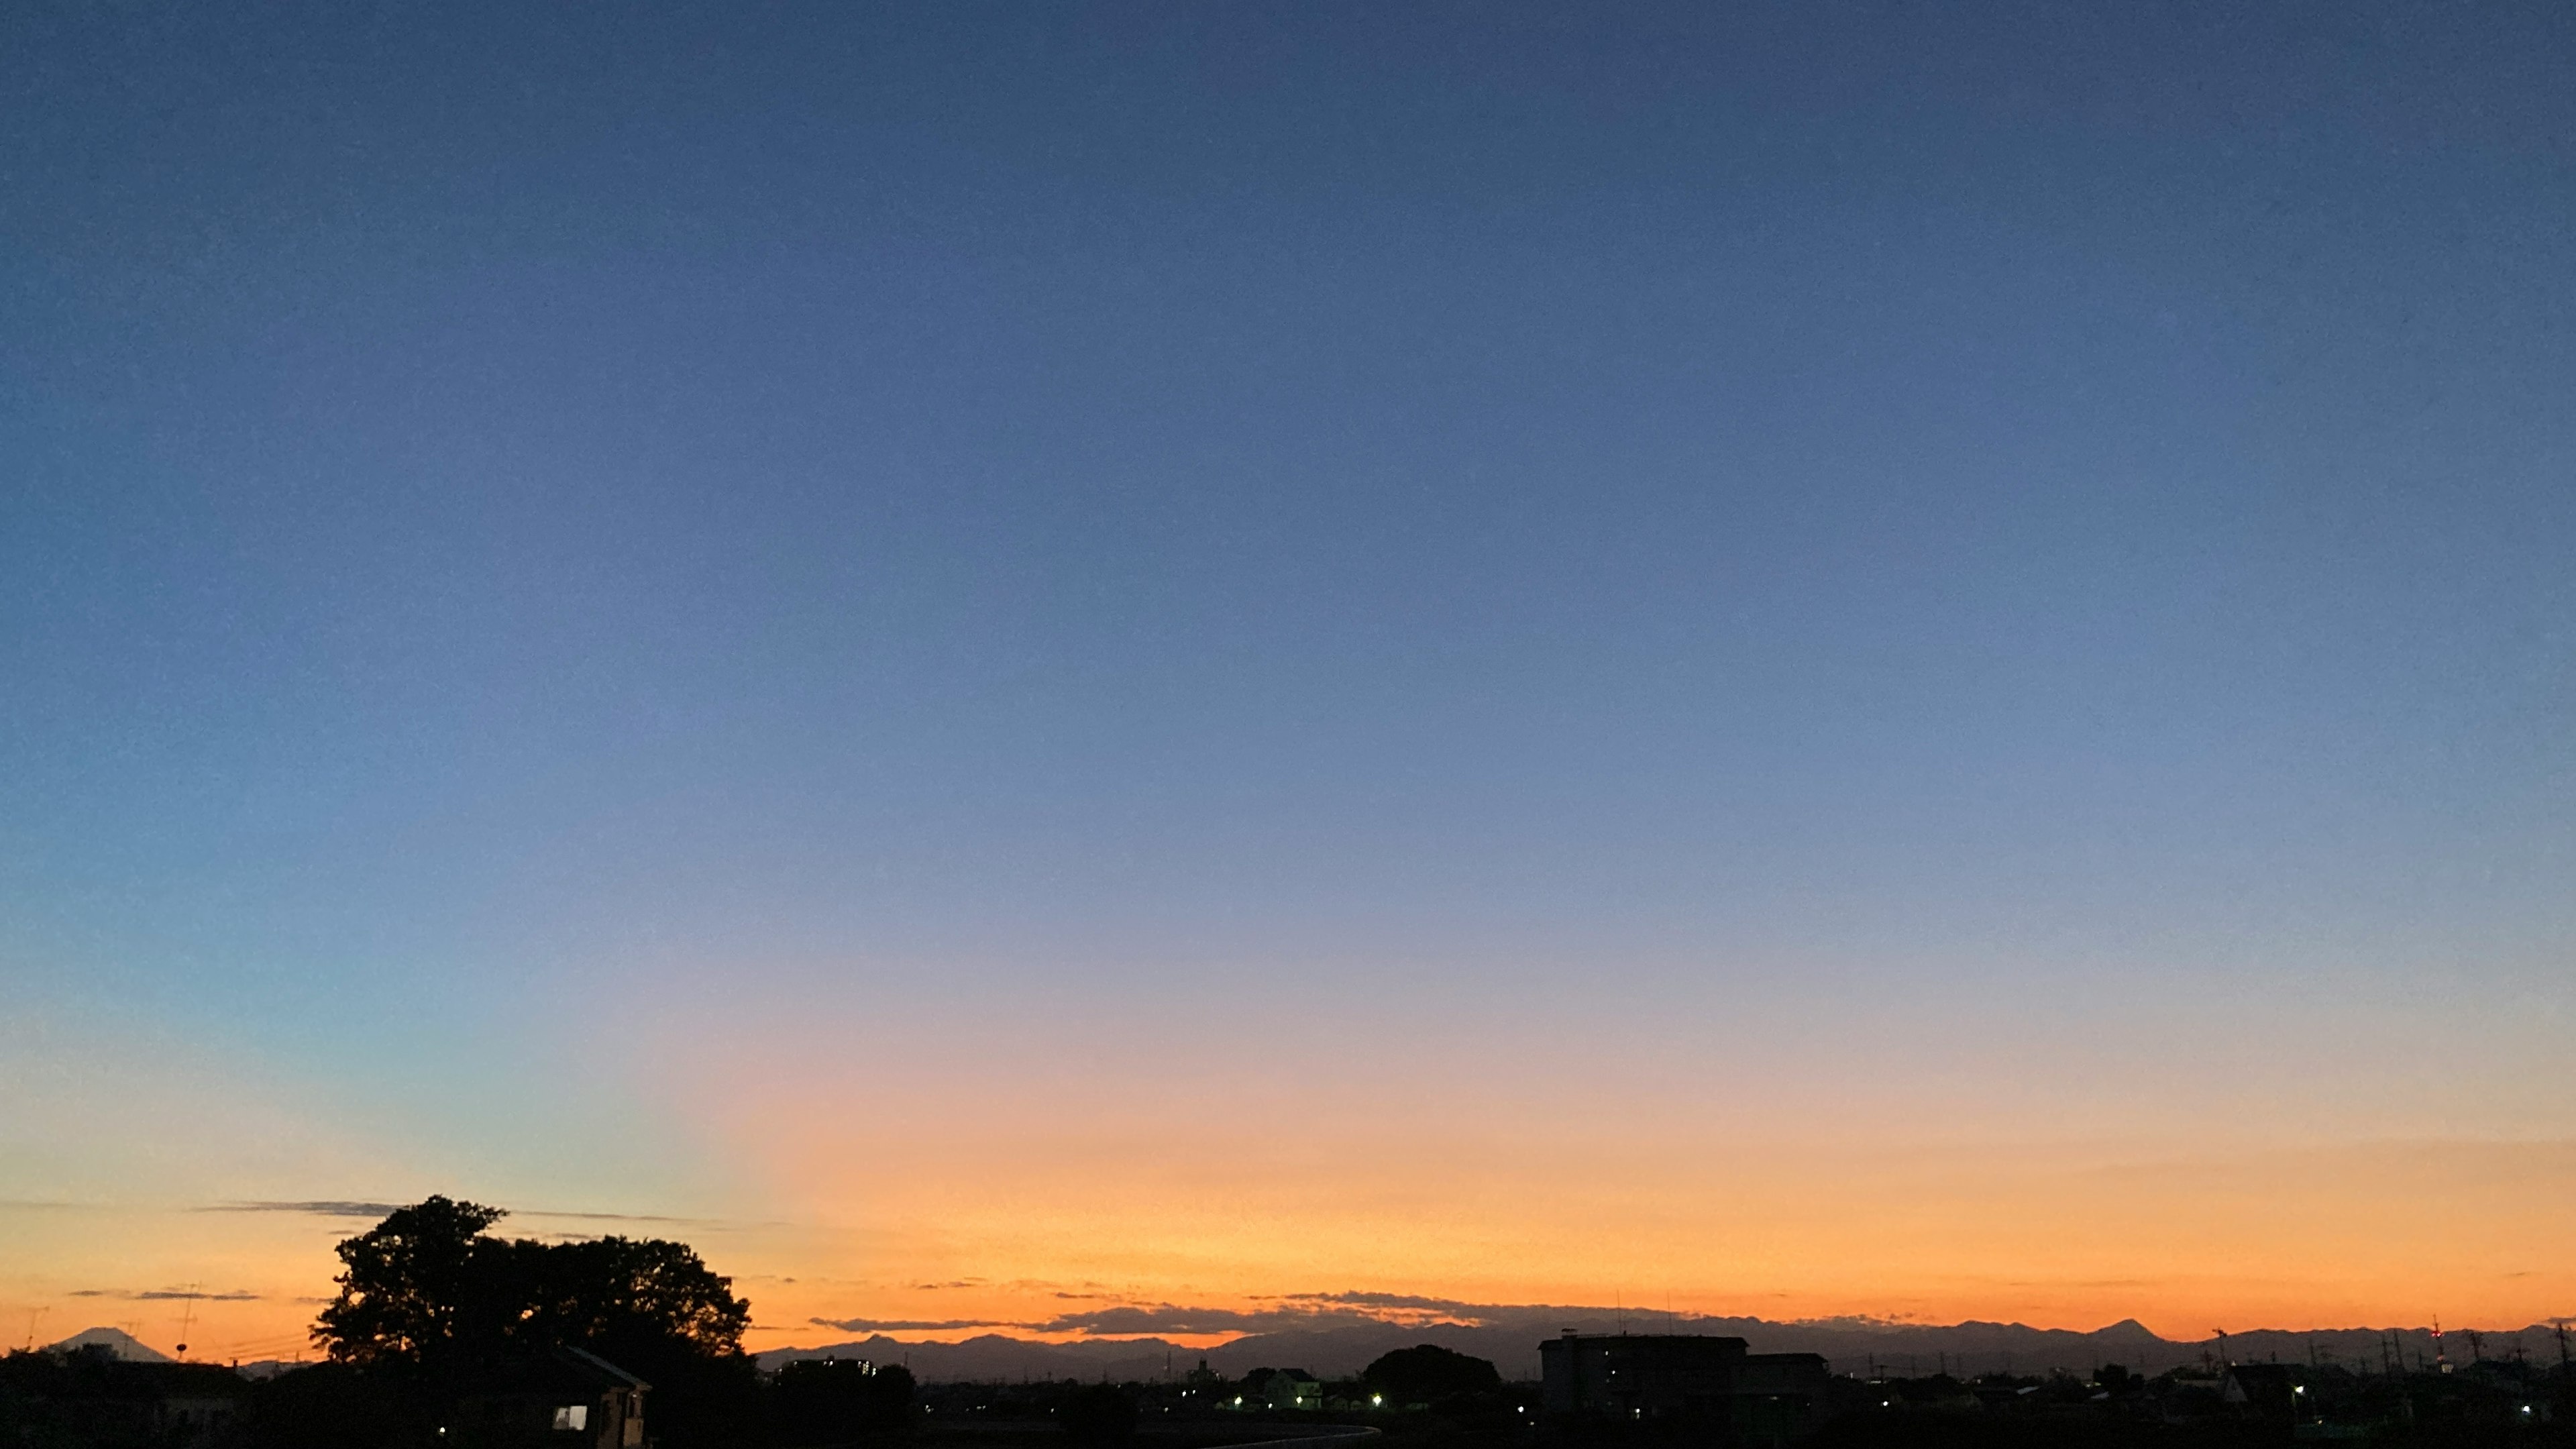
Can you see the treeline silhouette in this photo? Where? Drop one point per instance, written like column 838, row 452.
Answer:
column 445, row 1336
column 1426, row 1396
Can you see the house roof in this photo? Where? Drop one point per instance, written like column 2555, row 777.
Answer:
column 2260, row 1384
column 610, row 1375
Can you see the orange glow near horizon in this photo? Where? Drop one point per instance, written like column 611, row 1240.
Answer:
column 842, row 1172
column 2263, row 1240
column 1785, row 1179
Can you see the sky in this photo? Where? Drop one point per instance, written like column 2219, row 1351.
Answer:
column 1807, row 660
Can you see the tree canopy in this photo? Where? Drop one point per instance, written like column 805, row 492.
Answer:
column 414, row 1287
column 430, row 1290
column 1427, row 1372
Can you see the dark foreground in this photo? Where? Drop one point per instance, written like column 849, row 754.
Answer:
column 53, row 1400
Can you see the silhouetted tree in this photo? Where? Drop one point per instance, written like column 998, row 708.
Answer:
column 427, row 1284
column 613, row 1291
column 415, row 1289
column 430, row 1305
column 649, row 1306
column 1428, row 1372
column 1099, row 1415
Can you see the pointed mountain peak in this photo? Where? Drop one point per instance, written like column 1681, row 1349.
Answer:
column 116, row 1341
column 2127, row 1328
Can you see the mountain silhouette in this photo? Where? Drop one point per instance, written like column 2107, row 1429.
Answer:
column 1509, row 1338
column 116, row 1341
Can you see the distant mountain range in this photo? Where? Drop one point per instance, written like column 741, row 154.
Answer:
column 1510, row 1338
column 116, row 1341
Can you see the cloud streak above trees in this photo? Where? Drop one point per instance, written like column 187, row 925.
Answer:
column 1294, row 1312
column 154, row 1294
column 908, row 1325
column 362, row 1208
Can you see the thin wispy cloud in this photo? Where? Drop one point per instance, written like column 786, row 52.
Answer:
column 1294, row 1311
column 1317, row 1312
column 911, row 1325
column 368, row 1208
column 148, row 1295
column 1400, row 1301
column 323, row 1207
column 586, row 1217
column 1129, row 1319
column 237, row 1297
column 1291, row 1312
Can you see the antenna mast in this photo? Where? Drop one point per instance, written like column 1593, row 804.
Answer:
column 187, row 1320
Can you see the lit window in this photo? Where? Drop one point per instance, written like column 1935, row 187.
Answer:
column 573, row 1416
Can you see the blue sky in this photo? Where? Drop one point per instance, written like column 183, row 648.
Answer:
column 501, row 507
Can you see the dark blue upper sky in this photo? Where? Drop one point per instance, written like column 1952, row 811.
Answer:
column 493, row 489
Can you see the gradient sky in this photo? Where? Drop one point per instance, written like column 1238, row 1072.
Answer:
column 1820, row 659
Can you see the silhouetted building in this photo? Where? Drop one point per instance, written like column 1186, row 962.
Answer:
column 567, row 1399
column 95, row 1396
column 1684, row 1380
column 1288, row 1389
column 2261, row 1391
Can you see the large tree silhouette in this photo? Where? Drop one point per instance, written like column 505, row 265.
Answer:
column 432, row 1304
column 429, row 1287
column 1429, row 1372
column 416, row 1290
column 630, row 1294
